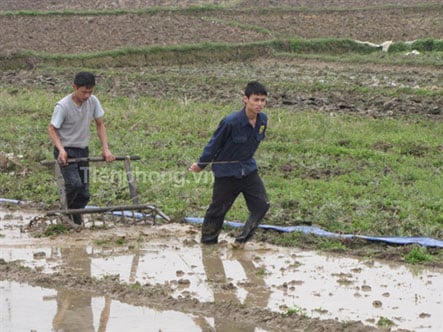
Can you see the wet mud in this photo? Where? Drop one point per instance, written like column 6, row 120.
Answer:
column 159, row 278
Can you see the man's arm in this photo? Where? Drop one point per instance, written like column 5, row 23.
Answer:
column 63, row 156
column 212, row 147
column 101, row 131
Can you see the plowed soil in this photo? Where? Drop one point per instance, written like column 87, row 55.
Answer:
column 79, row 34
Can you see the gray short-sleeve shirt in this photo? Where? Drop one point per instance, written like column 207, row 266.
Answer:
column 73, row 122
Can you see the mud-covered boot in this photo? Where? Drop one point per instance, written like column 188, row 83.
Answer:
column 77, row 219
column 238, row 245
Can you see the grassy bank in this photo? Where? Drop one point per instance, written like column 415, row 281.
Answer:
column 345, row 173
column 329, row 49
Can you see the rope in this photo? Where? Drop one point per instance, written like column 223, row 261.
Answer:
column 219, row 162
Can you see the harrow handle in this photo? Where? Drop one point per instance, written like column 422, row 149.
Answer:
column 92, row 159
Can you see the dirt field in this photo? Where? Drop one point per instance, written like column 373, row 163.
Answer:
column 393, row 20
column 79, row 34
column 360, row 20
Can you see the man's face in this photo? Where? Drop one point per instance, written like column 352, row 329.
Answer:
column 82, row 93
column 255, row 103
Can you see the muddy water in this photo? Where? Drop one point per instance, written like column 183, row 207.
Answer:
column 279, row 279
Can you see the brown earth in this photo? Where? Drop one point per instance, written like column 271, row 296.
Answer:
column 359, row 19
column 79, row 34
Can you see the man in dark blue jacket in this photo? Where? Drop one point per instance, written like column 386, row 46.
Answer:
column 231, row 152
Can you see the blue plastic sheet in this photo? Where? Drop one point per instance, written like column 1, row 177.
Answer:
column 423, row 241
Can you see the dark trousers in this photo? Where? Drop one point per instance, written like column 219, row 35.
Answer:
column 76, row 176
column 225, row 191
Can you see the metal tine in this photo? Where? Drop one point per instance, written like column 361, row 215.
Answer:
column 134, row 218
column 127, row 221
column 140, row 214
column 122, row 217
column 113, row 218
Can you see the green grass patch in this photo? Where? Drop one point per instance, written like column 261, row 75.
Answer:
column 329, row 46
column 423, row 45
column 52, row 230
column 346, row 173
column 151, row 10
column 329, row 49
column 385, row 322
column 227, row 6
column 418, row 255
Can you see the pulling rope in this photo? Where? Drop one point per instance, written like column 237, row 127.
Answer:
column 219, row 162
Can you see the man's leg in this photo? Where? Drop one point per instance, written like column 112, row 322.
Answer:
column 74, row 189
column 76, row 177
column 258, row 204
column 225, row 191
column 83, row 194
column 73, row 184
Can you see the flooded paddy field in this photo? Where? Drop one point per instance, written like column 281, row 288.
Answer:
column 159, row 278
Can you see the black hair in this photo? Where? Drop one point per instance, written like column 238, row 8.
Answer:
column 255, row 88
column 84, row 78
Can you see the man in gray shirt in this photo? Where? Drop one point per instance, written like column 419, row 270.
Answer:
column 70, row 133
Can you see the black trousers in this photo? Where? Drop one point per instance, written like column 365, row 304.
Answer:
column 225, row 192
column 76, row 176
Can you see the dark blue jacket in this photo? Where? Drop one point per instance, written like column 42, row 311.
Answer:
column 233, row 144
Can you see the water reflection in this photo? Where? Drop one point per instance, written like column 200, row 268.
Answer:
column 225, row 291
column 68, row 309
column 74, row 311
column 27, row 308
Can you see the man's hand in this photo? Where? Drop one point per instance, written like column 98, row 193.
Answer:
column 107, row 155
column 194, row 168
column 62, row 158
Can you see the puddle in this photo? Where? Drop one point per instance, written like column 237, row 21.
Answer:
column 265, row 276
column 62, row 310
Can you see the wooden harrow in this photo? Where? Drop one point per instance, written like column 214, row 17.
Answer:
column 137, row 213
